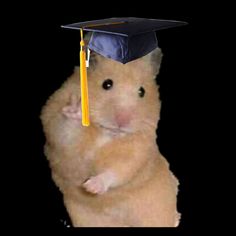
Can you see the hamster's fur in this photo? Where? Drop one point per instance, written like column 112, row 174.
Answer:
column 111, row 173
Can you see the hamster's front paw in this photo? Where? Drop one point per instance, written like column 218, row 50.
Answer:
column 95, row 185
column 99, row 184
column 73, row 110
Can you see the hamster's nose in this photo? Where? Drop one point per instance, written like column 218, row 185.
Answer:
column 123, row 118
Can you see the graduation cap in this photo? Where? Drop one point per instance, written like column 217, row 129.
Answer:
column 120, row 39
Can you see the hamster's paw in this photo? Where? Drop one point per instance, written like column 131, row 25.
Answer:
column 100, row 184
column 73, row 110
column 95, row 185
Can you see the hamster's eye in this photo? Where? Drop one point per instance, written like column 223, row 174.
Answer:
column 141, row 92
column 107, row 84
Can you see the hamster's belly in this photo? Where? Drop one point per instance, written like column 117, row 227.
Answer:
column 153, row 198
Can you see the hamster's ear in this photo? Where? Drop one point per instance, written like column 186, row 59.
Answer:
column 154, row 60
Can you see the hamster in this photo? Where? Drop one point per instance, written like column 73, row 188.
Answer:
column 111, row 173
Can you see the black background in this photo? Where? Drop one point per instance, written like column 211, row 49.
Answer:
column 43, row 55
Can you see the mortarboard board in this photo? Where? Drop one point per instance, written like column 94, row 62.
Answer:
column 121, row 39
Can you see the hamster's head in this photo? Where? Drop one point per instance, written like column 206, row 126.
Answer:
column 124, row 97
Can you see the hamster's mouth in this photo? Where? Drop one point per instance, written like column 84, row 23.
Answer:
column 114, row 130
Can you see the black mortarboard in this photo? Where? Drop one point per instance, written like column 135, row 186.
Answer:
column 121, row 39
column 124, row 39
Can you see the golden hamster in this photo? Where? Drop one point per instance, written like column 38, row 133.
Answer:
column 111, row 173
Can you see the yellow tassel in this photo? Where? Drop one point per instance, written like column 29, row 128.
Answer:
column 84, row 83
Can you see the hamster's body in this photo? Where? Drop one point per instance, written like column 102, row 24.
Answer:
column 111, row 176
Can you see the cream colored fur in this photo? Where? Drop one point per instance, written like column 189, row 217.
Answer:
column 110, row 178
